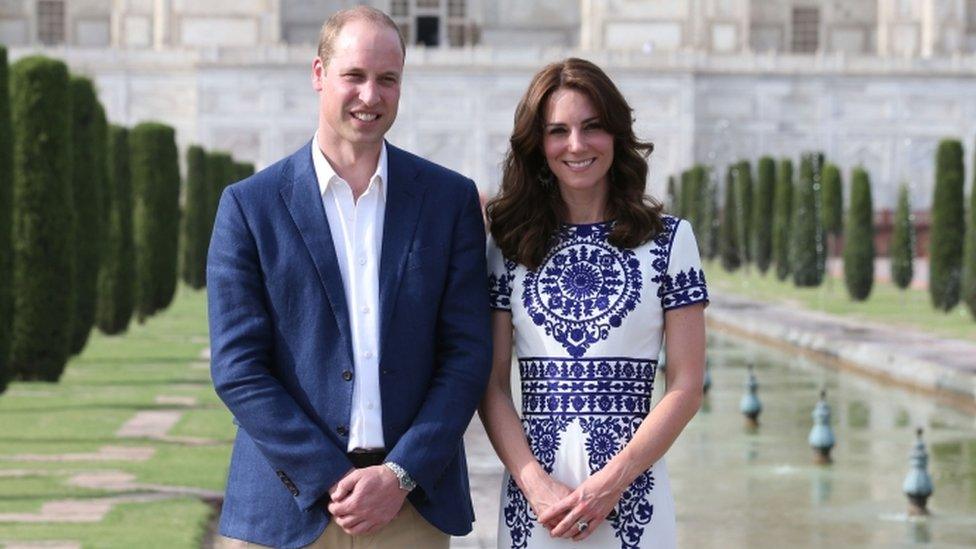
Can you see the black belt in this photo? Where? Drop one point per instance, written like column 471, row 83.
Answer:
column 366, row 458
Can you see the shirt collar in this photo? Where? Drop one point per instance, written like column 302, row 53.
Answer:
column 324, row 172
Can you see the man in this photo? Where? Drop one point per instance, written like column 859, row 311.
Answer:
column 349, row 322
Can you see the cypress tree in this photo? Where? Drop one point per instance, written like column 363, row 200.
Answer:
column 833, row 200
column 783, row 218
column 969, row 256
column 729, row 233
column 699, row 178
column 116, row 277
column 706, row 237
column 43, row 222
column 685, row 194
column 807, row 258
column 243, row 170
column 196, row 238
column 218, row 174
column 6, row 222
column 156, row 187
column 948, row 227
column 902, row 242
column 89, row 130
column 744, row 197
column 832, row 195
column 762, row 222
column 859, row 238
column 672, row 196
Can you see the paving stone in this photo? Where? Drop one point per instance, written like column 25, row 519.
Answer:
column 149, row 424
column 105, row 453
column 175, row 400
column 53, row 544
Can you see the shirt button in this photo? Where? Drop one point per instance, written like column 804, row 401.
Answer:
column 368, row 354
column 369, row 406
column 347, row 375
column 342, row 430
column 365, row 310
column 362, row 260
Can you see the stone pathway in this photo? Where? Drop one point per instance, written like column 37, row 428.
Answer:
column 105, row 453
column 54, row 544
column 150, row 424
column 120, row 486
column 944, row 367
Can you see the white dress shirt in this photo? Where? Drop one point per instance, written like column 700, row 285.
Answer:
column 357, row 234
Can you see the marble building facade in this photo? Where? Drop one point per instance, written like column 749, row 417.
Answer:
column 871, row 82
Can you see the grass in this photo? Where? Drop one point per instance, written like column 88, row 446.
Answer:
column 910, row 309
column 113, row 379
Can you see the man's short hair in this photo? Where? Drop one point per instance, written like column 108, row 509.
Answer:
column 332, row 27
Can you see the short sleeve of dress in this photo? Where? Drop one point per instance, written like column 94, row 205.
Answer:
column 684, row 283
column 500, row 276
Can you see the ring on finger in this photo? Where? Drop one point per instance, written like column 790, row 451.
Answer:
column 582, row 525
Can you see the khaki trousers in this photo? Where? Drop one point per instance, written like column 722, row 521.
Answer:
column 407, row 530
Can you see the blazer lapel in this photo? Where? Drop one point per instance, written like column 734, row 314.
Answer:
column 404, row 196
column 302, row 199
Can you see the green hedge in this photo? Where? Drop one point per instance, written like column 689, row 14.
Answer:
column 243, row 170
column 6, row 222
column 762, row 221
column 729, row 234
column 672, row 203
column 902, row 242
column 969, row 256
column 219, row 174
column 710, row 221
column 116, row 278
column 744, row 198
column 88, row 130
column 807, row 258
column 156, row 187
column 833, row 200
column 859, row 238
column 948, row 227
column 783, row 218
column 43, row 218
column 196, row 225
column 684, row 194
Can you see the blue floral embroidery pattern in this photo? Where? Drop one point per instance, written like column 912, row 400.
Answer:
column 685, row 287
column 500, row 287
column 606, row 437
column 610, row 398
column 584, row 287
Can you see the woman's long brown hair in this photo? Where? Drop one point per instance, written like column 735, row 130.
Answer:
column 526, row 213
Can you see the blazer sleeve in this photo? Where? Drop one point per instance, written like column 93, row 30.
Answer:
column 242, row 351
column 463, row 355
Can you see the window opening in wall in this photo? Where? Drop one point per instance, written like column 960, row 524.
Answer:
column 432, row 22
column 428, row 30
column 806, row 30
column 50, row 21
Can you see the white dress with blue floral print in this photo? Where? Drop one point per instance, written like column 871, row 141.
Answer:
column 588, row 328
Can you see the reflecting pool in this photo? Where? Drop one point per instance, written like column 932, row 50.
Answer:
column 739, row 487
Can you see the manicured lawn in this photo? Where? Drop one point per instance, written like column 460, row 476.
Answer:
column 887, row 304
column 112, row 380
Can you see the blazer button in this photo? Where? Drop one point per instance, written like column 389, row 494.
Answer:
column 342, row 430
column 347, row 375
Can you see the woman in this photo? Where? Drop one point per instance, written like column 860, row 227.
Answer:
column 585, row 275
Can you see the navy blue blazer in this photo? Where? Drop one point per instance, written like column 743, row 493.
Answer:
column 280, row 344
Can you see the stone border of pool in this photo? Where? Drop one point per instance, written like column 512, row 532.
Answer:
column 945, row 368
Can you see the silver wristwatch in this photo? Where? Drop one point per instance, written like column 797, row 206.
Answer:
column 406, row 483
